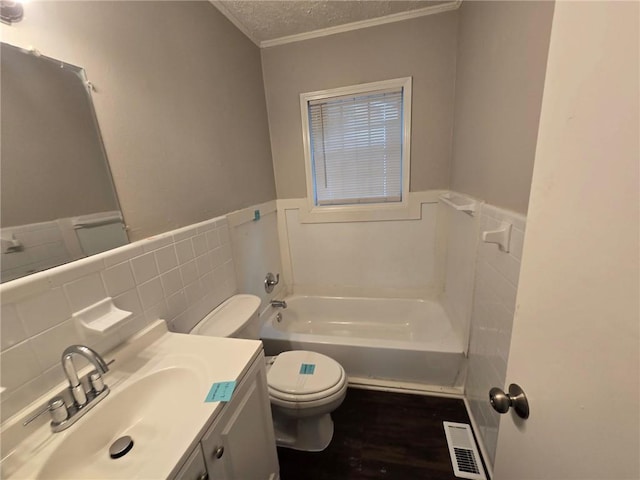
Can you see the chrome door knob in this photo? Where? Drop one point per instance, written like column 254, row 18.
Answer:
column 501, row 402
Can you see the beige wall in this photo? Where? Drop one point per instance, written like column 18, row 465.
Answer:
column 502, row 57
column 53, row 165
column 180, row 101
column 423, row 48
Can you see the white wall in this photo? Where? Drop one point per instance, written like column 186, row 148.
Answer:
column 494, row 302
column 397, row 258
column 256, row 250
column 178, row 276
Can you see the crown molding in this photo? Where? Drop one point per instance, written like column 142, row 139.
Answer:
column 238, row 24
column 347, row 27
column 396, row 17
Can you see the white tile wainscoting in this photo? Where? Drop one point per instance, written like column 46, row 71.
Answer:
column 49, row 244
column 462, row 235
column 178, row 276
column 383, row 257
column 41, row 246
column 439, row 252
column 494, row 301
column 181, row 275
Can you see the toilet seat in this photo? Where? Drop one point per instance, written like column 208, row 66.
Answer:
column 288, row 383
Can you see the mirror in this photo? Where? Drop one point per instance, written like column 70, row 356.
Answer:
column 57, row 199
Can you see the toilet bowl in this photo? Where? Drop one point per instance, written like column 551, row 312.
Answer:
column 304, row 387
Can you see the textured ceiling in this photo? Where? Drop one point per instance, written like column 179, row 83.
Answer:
column 268, row 20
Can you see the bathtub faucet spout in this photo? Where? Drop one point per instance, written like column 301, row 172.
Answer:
column 278, row 304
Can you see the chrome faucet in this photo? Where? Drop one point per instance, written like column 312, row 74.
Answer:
column 77, row 390
column 64, row 415
column 278, row 304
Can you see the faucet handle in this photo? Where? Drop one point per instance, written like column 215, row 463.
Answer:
column 58, row 410
column 270, row 282
column 95, row 379
column 56, row 407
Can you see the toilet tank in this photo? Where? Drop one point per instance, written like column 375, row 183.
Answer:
column 236, row 317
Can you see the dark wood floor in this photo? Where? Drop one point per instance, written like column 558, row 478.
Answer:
column 381, row 435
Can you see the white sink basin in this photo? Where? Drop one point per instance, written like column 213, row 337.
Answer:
column 142, row 411
column 158, row 391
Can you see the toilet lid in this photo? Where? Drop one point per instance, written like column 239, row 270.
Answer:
column 300, row 372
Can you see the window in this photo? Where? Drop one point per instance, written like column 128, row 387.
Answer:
column 357, row 144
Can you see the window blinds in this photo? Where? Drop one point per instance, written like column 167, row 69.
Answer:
column 356, row 148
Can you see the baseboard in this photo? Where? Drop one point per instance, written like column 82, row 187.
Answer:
column 365, row 383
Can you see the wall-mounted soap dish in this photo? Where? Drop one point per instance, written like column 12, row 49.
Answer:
column 10, row 244
column 101, row 317
column 459, row 202
column 501, row 236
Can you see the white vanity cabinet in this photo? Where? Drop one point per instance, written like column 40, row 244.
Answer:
column 158, row 389
column 240, row 443
column 194, row 468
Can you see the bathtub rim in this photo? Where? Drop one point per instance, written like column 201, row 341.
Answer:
column 450, row 344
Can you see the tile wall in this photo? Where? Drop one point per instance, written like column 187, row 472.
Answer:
column 182, row 275
column 39, row 246
column 494, row 301
column 178, row 276
column 44, row 245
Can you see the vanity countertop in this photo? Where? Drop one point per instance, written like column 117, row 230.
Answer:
column 159, row 383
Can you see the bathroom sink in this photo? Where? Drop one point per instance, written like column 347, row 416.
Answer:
column 158, row 390
column 143, row 411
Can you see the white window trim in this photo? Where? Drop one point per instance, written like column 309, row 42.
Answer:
column 359, row 212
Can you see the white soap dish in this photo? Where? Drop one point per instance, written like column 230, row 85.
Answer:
column 101, row 317
column 500, row 236
column 462, row 203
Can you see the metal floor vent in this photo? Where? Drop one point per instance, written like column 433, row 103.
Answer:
column 464, row 453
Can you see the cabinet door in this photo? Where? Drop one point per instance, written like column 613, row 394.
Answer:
column 194, row 468
column 241, row 444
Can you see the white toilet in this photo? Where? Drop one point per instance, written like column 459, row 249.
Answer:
column 304, row 387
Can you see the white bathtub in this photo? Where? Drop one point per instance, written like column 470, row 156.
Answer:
column 398, row 340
